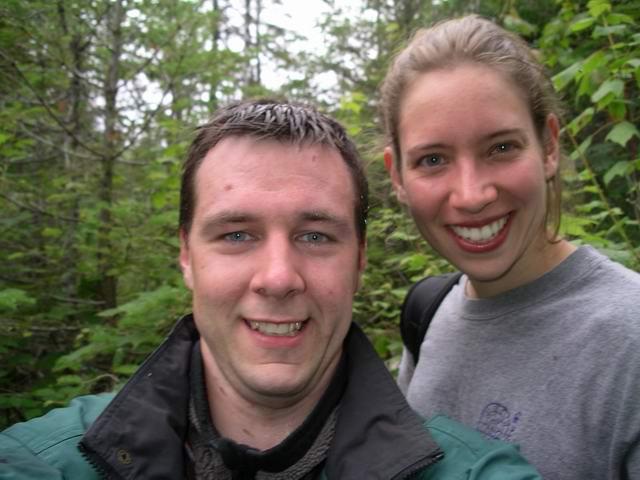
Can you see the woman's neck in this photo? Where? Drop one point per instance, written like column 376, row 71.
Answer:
column 544, row 258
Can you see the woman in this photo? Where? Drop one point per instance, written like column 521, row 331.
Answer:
column 539, row 342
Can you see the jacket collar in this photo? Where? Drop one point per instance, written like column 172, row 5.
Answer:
column 141, row 433
column 377, row 434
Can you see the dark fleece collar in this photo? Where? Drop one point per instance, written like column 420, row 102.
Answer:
column 247, row 460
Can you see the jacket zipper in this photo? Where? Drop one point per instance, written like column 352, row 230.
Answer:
column 417, row 468
column 102, row 468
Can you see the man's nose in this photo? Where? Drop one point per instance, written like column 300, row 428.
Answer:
column 277, row 272
column 472, row 187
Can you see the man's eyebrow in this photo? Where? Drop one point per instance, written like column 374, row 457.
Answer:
column 323, row 216
column 231, row 217
column 227, row 217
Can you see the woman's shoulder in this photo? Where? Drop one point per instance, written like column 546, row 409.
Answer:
column 602, row 272
column 609, row 261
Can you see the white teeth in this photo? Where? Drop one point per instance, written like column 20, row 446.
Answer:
column 276, row 329
column 482, row 234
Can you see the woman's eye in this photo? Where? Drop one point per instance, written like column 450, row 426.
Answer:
column 237, row 237
column 502, row 148
column 432, row 160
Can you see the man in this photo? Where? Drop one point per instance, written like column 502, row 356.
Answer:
column 269, row 378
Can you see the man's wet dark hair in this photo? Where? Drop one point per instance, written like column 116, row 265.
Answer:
column 265, row 119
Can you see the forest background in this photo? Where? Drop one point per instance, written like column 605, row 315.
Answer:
column 98, row 103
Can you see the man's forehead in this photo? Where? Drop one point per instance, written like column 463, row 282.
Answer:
column 238, row 141
column 245, row 179
column 259, row 158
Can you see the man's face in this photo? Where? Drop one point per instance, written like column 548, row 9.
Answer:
column 273, row 260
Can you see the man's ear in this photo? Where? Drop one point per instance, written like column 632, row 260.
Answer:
column 396, row 178
column 552, row 147
column 185, row 259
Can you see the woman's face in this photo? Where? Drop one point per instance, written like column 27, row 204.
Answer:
column 473, row 173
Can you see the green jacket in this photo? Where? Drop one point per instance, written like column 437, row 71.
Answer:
column 140, row 432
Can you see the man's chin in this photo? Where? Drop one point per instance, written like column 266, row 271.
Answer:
column 279, row 381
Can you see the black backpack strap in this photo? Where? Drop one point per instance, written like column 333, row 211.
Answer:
column 420, row 304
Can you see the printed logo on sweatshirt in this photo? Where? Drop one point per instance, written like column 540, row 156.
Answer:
column 496, row 422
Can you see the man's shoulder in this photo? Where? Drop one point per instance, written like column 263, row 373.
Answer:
column 46, row 447
column 469, row 455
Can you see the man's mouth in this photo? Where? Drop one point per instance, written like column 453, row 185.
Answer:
column 281, row 329
column 483, row 234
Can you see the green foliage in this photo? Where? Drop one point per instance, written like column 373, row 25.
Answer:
column 596, row 52
column 89, row 281
column 12, row 299
column 89, row 189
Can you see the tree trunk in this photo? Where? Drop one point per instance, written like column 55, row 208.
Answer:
column 71, row 146
column 108, row 281
column 215, row 37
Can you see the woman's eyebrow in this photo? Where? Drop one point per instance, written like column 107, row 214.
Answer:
column 505, row 132
column 421, row 147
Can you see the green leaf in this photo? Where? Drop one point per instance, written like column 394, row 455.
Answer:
column 127, row 370
column 381, row 344
column 616, row 18
column 159, row 200
column 600, row 32
column 581, row 150
column 565, row 77
column 617, row 110
column 622, row 133
column 417, row 261
column 595, row 61
column 598, row 7
column 590, row 206
column 580, row 121
column 69, row 380
column 574, row 226
column 620, row 169
column 49, row 232
column 581, row 24
column 614, row 87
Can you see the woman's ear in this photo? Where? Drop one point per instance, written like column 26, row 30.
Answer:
column 396, row 177
column 552, row 147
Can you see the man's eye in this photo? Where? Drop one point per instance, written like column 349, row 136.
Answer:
column 432, row 160
column 237, row 237
column 314, row 237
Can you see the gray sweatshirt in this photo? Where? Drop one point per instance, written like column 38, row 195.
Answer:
column 553, row 366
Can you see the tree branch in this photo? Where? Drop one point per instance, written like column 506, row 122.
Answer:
column 35, row 209
column 44, row 104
